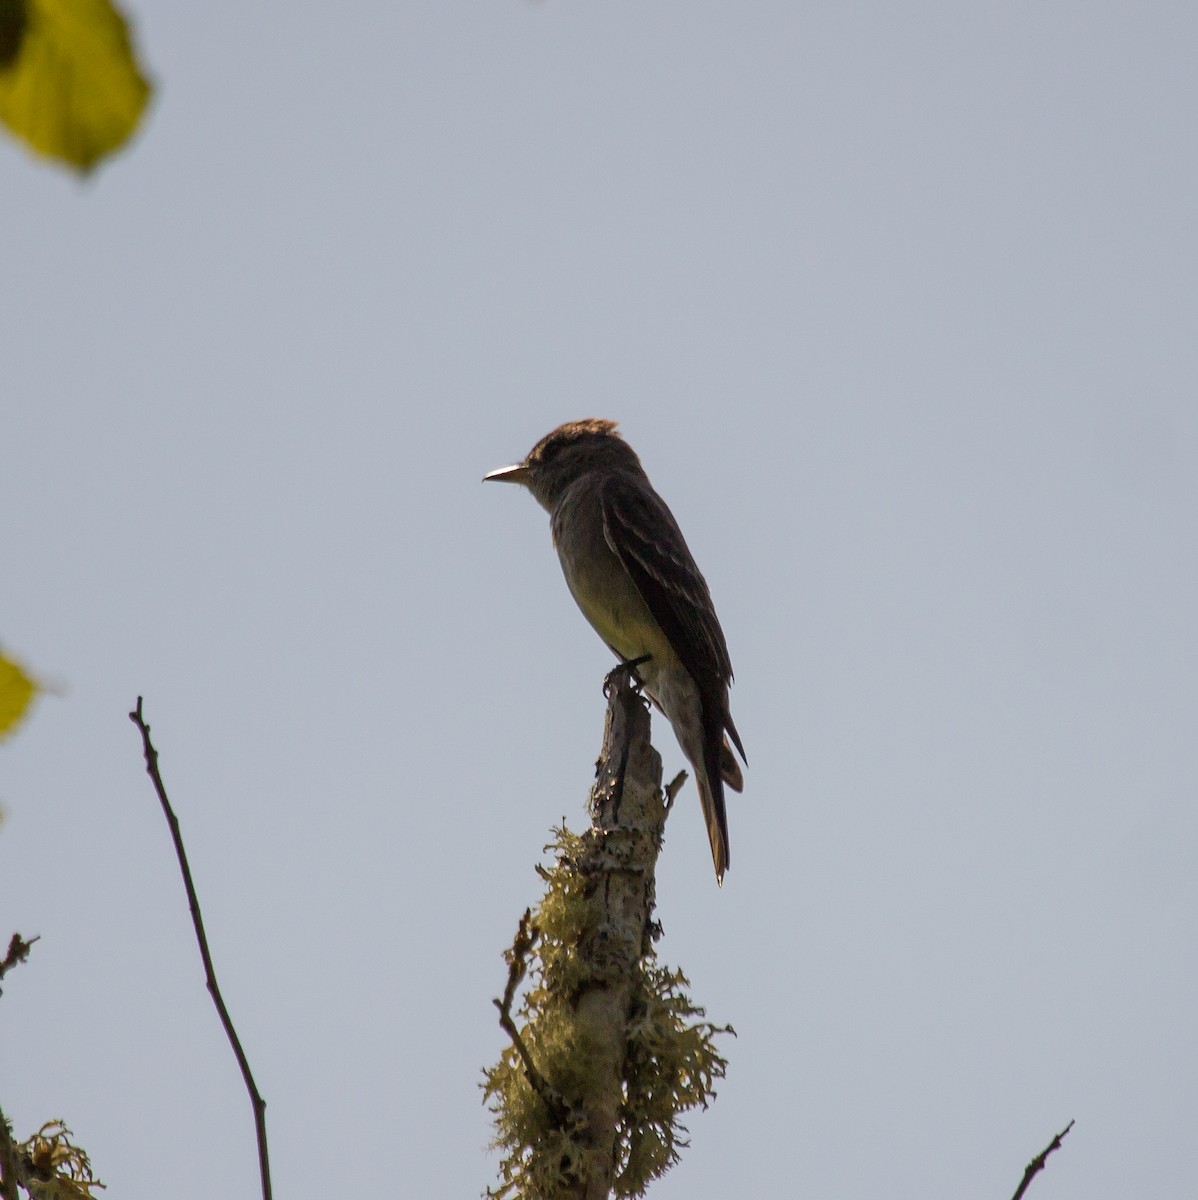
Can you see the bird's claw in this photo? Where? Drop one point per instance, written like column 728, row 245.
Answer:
column 627, row 667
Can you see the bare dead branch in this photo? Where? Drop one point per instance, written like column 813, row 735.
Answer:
column 620, row 855
column 673, row 788
column 1037, row 1164
column 517, row 957
column 197, row 920
column 18, row 952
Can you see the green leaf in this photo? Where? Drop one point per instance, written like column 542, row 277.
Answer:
column 16, row 692
column 71, row 86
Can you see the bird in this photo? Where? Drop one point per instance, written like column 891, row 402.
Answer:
column 631, row 573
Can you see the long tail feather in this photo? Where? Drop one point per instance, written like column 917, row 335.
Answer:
column 715, row 816
column 730, row 768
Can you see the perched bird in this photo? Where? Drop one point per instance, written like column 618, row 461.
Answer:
column 628, row 567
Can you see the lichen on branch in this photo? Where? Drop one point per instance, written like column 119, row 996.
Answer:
column 608, row 1049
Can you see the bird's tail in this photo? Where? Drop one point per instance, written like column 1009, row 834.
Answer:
column 711, row 795
column 730, row 768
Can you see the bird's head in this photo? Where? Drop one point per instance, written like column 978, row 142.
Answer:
column 563, row 456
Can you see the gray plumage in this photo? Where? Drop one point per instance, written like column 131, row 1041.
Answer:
column 630, row 572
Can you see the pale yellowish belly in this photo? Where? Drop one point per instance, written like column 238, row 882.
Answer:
column 621, row 618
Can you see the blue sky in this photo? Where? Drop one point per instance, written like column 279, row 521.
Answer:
column 896, row 303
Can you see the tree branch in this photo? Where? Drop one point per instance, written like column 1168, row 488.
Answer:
column 517, row 957
column 1037, row 1164
column 627, row 822
column 18, row 952
column 608, row 1051
column 672, row 789
column 197, row 920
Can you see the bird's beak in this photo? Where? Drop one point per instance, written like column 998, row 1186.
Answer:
column 517, row 473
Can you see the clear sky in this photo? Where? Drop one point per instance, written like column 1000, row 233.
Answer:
column 898, row 304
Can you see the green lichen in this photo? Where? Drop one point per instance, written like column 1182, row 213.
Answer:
column 671, row 1063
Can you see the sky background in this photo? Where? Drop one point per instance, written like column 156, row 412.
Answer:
column 898, row 305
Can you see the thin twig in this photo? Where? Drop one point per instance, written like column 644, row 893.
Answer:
column 8, row 1162
column 1037, row 1164
column 18, row 952
column 673, row 788
column 517, row 957
column 197, row 920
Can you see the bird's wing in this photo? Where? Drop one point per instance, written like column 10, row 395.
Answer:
column 642, row 532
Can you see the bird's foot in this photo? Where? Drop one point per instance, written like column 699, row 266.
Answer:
column 627, row 667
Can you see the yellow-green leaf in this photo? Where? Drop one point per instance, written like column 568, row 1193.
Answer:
column 16, row 691
column 72, row 88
